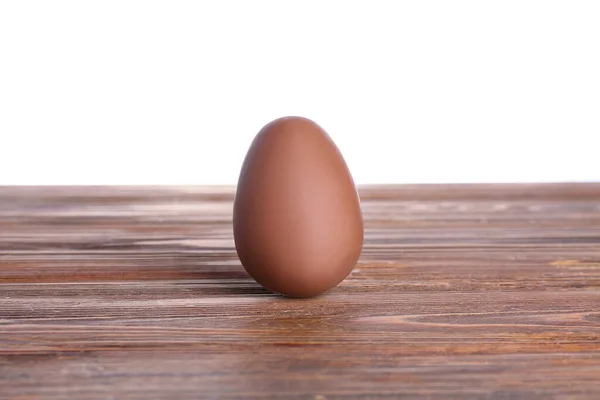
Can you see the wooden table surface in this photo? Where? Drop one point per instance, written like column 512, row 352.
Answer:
column 462, row 291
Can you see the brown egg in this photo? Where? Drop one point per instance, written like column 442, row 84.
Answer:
column 297, row 221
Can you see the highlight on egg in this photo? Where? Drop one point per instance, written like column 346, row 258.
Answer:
column 297, row 221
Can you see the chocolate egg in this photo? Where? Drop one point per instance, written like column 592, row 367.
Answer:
column 297, row 222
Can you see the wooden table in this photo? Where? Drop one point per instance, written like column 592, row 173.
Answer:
column 486, row 291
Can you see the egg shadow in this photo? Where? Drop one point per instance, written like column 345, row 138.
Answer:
column 228, row 279
column 202, row 270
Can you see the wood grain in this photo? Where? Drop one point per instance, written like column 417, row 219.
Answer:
column 462, row 291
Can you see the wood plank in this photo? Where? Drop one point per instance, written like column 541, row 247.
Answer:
column 468, row 291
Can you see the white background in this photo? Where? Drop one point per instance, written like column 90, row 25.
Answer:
column 172, row 92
